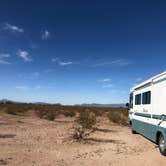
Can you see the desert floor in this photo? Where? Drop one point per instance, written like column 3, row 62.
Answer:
column 30, row 141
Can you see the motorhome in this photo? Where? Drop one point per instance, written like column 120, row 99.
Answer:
column 147, row 113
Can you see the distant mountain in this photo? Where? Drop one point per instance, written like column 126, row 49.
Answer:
column 43, row 103
column 103, row 105
column 4, row 101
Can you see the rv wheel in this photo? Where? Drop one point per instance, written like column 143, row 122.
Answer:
column 161, row 144
column 133, row 131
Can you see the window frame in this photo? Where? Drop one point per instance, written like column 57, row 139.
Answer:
column 131, row 100
column 146, row 98
column 138, row 99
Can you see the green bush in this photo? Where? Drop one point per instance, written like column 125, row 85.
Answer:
column 46, row 114
column 118, row 117
column 86, row 121
column 50, row 115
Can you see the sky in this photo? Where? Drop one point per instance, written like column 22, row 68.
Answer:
column 74, row 52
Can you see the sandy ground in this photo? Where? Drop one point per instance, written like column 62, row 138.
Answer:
column 29, row 141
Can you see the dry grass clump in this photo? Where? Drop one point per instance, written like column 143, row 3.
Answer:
column 15, row 109
column 47, row 114
column 118, row 117
column 86, row 121
column 46, row 111
column 68, row 113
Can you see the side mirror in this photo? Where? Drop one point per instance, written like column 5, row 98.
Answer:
column 127, row 105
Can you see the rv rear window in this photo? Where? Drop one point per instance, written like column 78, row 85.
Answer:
column 146, row 97
column 131, row 100
column 138, row 99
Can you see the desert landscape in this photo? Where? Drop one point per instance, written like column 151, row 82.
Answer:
column 26, row 139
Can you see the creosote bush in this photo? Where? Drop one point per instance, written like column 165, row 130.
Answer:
column 48, row 111
column 86, row 122
column 118, row 117
column 50, row 115
column 46, row 114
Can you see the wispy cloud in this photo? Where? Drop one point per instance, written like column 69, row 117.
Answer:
column 48, row 71
column 107, row 86
column 22, row 87
column 24, row 55
column 65, row 63
column 104, row 80
column 117, row 62
column 54, row 59
column 32, row 76
column 138, row 79
column 35, row 74
column 3, row 58
column 12, row 28
column 45, row 35
column 60, row 62
column 37, row 87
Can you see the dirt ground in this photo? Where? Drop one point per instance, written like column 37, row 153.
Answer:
column 30, row 141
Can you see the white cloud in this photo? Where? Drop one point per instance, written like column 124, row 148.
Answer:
column 117, row 62
column 48, row 70
column 27, row 76
column 37, row 87
column 12, row 28
column 105, row 80
column 61, row 63
column 36, row 74
column 21, row 87
column 138, row 79
column 45, row 35
column 121, row 62
column 24, row 55
column 107, row 86
column 65, row 63
column 54, row 59
column 3, row 58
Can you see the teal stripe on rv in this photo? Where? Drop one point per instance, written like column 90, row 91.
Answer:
column 154, row 116
column 147, row 129
column 143, row 115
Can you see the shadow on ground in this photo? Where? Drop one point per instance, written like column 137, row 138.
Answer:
column 99, row 140
column 105, row 130
column 63, row 121
column 7, row 135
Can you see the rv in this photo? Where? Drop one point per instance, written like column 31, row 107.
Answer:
column 147, row 110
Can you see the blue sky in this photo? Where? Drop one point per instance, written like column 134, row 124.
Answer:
column 76, row 52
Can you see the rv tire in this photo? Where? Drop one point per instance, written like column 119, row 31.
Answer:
column 161, row 144
column 133, row 131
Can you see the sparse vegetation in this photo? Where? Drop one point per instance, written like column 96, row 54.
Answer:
column 86, row 121
column 50, row 112
column 120, row 117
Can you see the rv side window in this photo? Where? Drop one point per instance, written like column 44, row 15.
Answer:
column 131, row 100
column 138, row 99
column 146, row 97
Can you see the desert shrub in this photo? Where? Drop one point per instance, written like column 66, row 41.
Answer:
column 15, row 109
column 86, row 122
column 10, row 111
column 118, row 117
column 50, row 115
column 68, row 113
column 40, row 113
column 46, row 114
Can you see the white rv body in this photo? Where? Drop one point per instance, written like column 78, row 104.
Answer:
column 147, row 114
